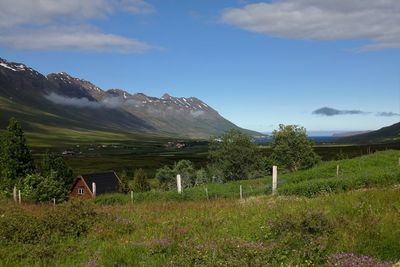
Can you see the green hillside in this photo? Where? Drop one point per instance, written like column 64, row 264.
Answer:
column 383, row 135
column 374, row 170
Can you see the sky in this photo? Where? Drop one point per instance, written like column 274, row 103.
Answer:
column 327, row 65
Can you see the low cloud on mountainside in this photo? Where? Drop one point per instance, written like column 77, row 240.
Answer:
column 118, row 102
column 326, row 111
column 111, row 102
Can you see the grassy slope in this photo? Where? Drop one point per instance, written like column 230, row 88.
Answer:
column 378, row 169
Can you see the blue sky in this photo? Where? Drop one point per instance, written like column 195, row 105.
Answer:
column 259, row 63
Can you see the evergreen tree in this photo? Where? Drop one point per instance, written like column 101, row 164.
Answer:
column 16, row 159
column 140, row 183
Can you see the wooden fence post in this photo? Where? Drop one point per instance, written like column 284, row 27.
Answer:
column 241, row 192
column 274, row 179
column 54, row 203
column 131, row 196
column 337, row 170
column 19, row 197
column 15, row 194
column 94, row 189
column 179, row 183
column 206, row 189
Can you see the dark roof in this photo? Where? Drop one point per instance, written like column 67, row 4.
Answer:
column 106, row 182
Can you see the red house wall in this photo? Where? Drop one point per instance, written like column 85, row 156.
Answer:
column 79, row 182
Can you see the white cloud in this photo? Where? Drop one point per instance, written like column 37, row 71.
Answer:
column 18, row 12
column 136, row 6
column 72, row 38
column 83, row 102
column 377, row 21
column 64, row 25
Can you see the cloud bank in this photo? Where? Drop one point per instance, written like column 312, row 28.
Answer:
column 111, row 102
column 326, row 111
column 118, row 102
column 375, row 21
column 64, row 25
column 387, row 114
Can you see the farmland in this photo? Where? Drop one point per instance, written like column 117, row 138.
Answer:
column 357, row 215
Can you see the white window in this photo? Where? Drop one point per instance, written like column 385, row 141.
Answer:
column 80, row 190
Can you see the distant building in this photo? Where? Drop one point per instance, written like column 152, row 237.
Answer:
column 105, row 182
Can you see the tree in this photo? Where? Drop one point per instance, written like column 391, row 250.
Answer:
column 233, row 155
column 140, row 183
column 202, row 177
column 16, row 159
column 55, row 166
column 166, row 177
column 187, row 171
column 39, row 188
column 123, row 182
column 291, row 148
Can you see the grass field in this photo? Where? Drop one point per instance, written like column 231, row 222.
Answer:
column 260, row 231
column 337, row 224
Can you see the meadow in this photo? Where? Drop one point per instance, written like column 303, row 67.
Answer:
column 355, row 218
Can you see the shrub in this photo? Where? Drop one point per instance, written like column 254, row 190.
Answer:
column 67, row 220
column 40, row 189
column 140, row 183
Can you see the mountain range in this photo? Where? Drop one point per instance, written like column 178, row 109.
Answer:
column 60, row 101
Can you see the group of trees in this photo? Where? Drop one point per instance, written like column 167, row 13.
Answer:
column 51, row 179
column 166, row 175
column 231, row 157
column 234, row 156
column 139, row 182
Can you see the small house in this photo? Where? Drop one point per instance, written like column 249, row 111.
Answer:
column 89, row 185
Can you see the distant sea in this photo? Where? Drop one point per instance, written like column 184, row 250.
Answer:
column 316, row 139
column 323, row 139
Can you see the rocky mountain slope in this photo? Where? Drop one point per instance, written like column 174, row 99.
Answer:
column 62, row 101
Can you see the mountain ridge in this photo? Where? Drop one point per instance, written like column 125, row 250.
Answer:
column 61, row 100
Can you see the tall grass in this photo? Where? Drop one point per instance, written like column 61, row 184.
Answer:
column 259, row 231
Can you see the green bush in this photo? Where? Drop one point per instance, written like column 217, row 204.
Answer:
column 66, row 220
column 140, row 183
column 42, row 189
